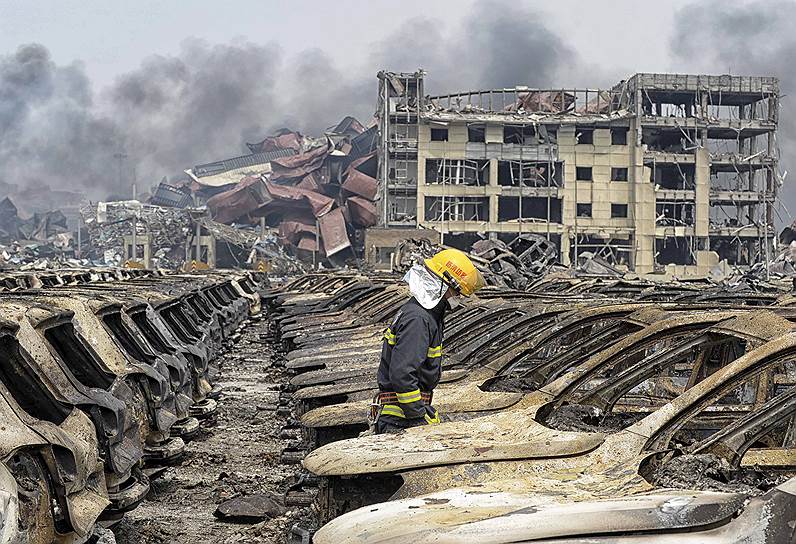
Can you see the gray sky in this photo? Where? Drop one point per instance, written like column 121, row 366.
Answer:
column 112, row 37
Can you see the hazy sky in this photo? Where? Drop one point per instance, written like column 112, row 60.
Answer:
column 173, row 83
column 112, row 37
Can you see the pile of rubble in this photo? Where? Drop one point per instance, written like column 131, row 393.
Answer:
column 41, row 241
column 319, row 193
column 784, row 263
column 108, row 223
column 514, row 265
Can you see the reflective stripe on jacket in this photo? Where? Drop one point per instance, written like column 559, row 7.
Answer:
column 411, row 357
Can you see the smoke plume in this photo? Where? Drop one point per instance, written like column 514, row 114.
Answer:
column 497, row 44
column 747, row 39
column 50, row 134
column 204, row 103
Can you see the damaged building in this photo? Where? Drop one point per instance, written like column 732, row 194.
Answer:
column 662, row 173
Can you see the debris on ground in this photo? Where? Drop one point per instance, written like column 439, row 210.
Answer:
column 39, row 242
column 516, row 264
column 235, row 458
column 258, row 507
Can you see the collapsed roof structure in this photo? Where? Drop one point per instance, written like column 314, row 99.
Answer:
column 318, row 192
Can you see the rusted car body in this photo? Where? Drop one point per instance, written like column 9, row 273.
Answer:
column 95, row 381
column 561, row 401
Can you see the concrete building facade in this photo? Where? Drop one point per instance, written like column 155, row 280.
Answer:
column 663, row 173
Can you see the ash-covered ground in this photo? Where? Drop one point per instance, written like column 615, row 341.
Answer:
column 238, row 455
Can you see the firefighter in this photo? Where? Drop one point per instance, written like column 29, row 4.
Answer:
column 411, row 354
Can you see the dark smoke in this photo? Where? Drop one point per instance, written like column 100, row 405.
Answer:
column 746, row 39
column 204, row 103
column 199, row 106
column 50, row 134
column 496, row 45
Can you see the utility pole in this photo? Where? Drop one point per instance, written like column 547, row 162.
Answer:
column 120, row 156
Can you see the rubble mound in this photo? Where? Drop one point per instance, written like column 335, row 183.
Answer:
column 518, row 263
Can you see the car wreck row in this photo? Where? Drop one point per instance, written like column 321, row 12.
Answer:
column 104, row 375
column 578, row 410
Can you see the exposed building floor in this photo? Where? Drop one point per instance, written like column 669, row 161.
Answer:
column 238, row 455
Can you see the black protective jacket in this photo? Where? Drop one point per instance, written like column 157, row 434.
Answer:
column 411, row 358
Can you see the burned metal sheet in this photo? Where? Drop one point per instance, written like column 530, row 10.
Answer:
column 333, row 231
column 243, row 199
column 318, row 203
column 300, row 165
column 363, row 212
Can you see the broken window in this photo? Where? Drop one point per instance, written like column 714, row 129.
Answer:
column 584, row 135
column 619, row 136
column 736, row 180
column 618, row 174
column 519, row 134
column 674, row 250
column 512, row 207
column 670, row 140
column 457, row 172
column 583, row 173
column 669, row 104
column 674, row 213
column 529, row 174
column 548, row 133
column 457, row 208
column 77, row 356
column 735, row 216
column 402, row 209
column 614, row 250
column 584, row 210
column 439, row 134
column 476, row 133
column 462, row 240
column 736, row 251
column 25, row 386
column 152, row 334
column 618, row 210
column 176, row 326
column 126, row 339
column 672, row 175
column 403, row 133
column 402, row 169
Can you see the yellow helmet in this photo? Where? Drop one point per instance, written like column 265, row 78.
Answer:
column 456, row 270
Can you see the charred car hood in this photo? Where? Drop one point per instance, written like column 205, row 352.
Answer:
column 492, row 438
column 470, row 515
